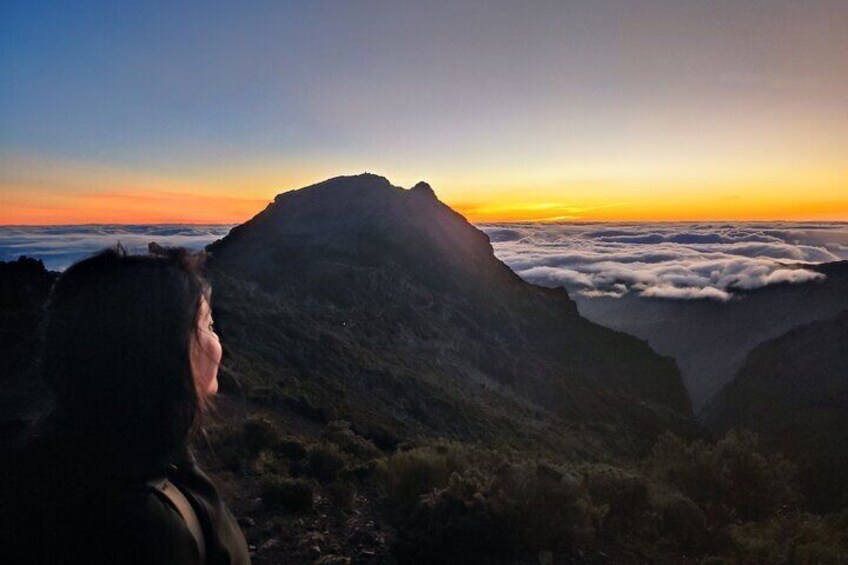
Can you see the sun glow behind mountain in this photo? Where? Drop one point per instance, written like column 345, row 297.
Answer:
column 50, row 194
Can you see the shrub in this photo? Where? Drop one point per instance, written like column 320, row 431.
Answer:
column 382, row 437
column 547, row 507
column 266, row 395
column 324, row 461
column 340, row 433
column 260, row 432
column 621, row 496
column 791, row 538
column 682, row 524
column 268, row 463
column 407, row 475
column 287, row 495
column 227, row 447
column 452, row 526
column 754, row 485
column 729, row 481
column 290, row 448
column 358, row 472
column 342, row 494
column 492, row 515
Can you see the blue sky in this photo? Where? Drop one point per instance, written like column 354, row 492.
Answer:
column 512, row 103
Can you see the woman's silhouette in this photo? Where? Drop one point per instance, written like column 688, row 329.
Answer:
column 131, row 354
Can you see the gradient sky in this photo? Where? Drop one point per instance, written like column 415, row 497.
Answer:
column 597, row 110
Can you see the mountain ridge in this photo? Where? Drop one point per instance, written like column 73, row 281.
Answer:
column 434, row 298
column 793, row 391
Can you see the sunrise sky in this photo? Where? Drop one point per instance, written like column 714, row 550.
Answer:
column 198, row 112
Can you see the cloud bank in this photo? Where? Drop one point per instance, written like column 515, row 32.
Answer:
column 673, row 261
column 60, row 246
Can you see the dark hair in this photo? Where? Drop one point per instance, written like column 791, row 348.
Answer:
column 117, row 340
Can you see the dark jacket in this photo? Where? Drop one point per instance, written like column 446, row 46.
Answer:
column 61, row 504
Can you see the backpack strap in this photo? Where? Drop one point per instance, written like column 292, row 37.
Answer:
column 170, row 493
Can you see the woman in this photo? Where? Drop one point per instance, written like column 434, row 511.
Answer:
column 132, row 356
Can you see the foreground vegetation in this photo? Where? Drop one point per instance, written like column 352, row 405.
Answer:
column 452, row 502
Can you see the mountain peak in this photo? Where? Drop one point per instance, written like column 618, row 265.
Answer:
column 366, row 220
column 424, row 189
column 363, row 181
column 360, row 179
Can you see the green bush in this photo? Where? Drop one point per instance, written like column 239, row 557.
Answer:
column 270, row 396
column 227, row 447
column 257, row 445
column 340, row 433
column 283, row 494
column 547, row 507
column 791, row 538
column 620, row 495
column 324, row 461
column 342, row 494
column 681, row 524
column 260, row 432
column 290, row 448
column 453, row 526
column 407, row 475
column 267, row 462
column 358, row 472
column 487, row 512
column 732, row 480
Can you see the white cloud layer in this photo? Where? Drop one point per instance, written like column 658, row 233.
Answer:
column 60, row 246
column 674, row 261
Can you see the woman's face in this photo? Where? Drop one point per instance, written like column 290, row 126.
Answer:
column 205, row 352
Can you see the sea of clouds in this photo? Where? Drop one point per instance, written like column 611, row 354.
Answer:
column 670, row 260
column 60, row 246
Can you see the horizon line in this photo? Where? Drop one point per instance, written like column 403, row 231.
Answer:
column 549, row 222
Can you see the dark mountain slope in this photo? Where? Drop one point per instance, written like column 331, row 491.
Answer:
column 793, row 391
column 711, row 340
column 384, row 300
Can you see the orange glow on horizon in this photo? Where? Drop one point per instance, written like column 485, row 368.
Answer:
column 37, row 192
column 659, row 212
column 185, row 208
column 664, row 202
column 193, row 208
column 152, row 208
